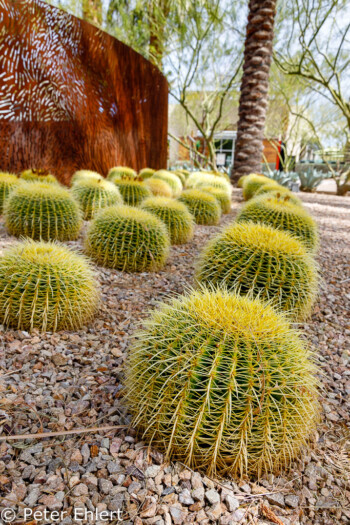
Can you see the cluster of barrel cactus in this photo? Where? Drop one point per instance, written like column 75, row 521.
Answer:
column 217, row 378
column 128, row 239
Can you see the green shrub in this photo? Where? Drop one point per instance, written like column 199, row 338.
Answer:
column 252, row 183
column 159, row 187
column 204, row 207
column 46, row 286
column 146, row 173
column 38, row 176
column 85, row 175
column 223, row 384
column 221, row 196
column 93, row 195
column 42, row 211
column 175, row 215
column 121, row 172
column 132, row 191
column 258, row 260
column 128, row 239
column 171, row 179
column 283, row 215
column 8, row 182
column 280, row 193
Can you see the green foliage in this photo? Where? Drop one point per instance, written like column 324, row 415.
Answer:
column 258, row 260
column 278, row 192
column 46, row 286
column 252, row 183
column 42, row 211
column 283, row 215
column 146, row 173
column 203, row 206
column 121, row 172
column 8, row 182
column 85, row 175
column 223, row 384
column 93, row 195
column 175, row 215
column 171, row 179
column 310, row 179
column 132, row 191
column 221, row 196
column 38, row 176
column 159, row 187
column 128, row 239
column 283, row 178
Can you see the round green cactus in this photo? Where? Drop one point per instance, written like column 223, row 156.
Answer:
column 199, row 179
column 171, row 179
column 221, row 196
column 223, row 384
column 203, row 206
column 42, row 211
column 279, row 192
column 241, row 180
column 93, row 195
column 8, row 182
column 128, row 239
column 121, row 172
column 38, row 176
column 132, row 191
column 46, row 286
column 283, row 215
column 258, row 260
column 159, row 187
column 146, row 173
column 175, row 215
column 253, row 182
column 85, row 175
column 181, row 176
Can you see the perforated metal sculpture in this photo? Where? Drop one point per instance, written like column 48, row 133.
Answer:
column 73, row 97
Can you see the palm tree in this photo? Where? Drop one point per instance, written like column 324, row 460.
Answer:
column 254, row 88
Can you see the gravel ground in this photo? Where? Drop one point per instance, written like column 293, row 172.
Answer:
column 68, row 380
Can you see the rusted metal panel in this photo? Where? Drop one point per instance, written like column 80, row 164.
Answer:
column 73, row 97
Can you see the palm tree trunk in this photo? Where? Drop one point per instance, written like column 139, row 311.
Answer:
column 254, row 88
